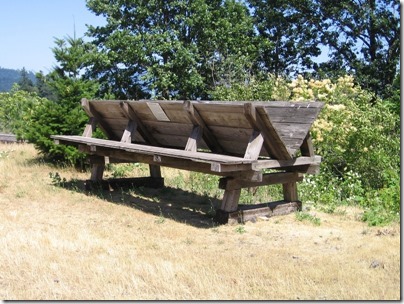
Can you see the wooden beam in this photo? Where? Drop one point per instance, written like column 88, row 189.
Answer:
column 290, row 192
column 192, row 143
column 267, row 179
column 275, row 164
column 90, row 127
column 254, row 145
column 197, row 120
column 129, row 130
column 272, row 141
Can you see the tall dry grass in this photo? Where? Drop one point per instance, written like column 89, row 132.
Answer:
column 61, row 243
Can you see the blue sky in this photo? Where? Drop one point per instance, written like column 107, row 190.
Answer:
column 28, row 29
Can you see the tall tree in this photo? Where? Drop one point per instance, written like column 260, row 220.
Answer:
column 25, row 83
column 364, row 39
column 289, row 35
column 168, row 49
column 63, row 114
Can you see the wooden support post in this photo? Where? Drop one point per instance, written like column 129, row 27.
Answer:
column 254, row 145
column 97, row 172
column 155, row 170
column 230, row 200
column 128, row 133
column 192, row 143
column 90, row 127
column 290, row 192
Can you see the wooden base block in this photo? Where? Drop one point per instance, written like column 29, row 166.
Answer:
column 252, row 213
column 115, row 183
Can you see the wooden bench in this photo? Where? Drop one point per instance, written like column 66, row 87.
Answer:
column 239, row 141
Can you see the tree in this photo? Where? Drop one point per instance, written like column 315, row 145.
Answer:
column 168, row 49
column 63, row 114
column 25, row 83
column 289, row 35
column 363, row 37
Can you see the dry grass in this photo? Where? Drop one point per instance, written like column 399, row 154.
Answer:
column 59, row 243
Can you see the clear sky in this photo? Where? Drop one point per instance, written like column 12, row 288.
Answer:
column 28, row 29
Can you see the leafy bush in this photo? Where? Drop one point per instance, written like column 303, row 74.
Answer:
column 16, row 108
column 61, row 117
column 357, row 136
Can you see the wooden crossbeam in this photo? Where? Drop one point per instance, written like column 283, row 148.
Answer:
column 197, row 120
column 230, row 183
column 272, row 141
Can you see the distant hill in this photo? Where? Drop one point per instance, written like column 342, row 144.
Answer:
column 9, row 76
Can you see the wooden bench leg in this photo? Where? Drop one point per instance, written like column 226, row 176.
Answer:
column 97, row 171
column 229, row 205
column 290, row 192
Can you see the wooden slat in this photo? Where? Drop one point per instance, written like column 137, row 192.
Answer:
column 267, row 179
column 274, row 163
column 152, row 150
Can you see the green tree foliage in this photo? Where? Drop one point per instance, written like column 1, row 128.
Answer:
column 363, row 37
column 16, row 109
column 168, row 49
column 289, row 36
column 8, row 77
column 25, row 83
column 63, row 114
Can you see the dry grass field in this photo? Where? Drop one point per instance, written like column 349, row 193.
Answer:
column 61, row 243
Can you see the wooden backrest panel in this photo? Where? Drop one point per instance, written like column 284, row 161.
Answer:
column 170, row 123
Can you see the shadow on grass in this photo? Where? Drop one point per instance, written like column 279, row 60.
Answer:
column 165, row 203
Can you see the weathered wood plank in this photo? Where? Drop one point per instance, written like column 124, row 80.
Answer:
column 267, row 179
column 152, row 150
column 253, row 213
column 254, row 145
column 8, row 138
column 192, row 143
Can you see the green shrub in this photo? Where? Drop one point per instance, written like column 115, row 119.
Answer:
column 16, row 108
